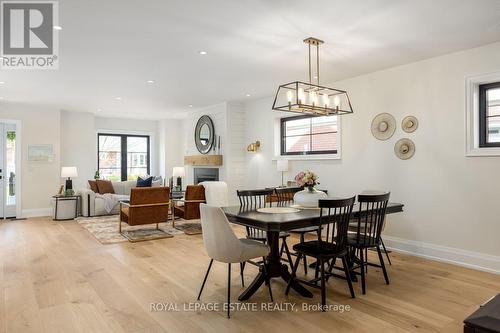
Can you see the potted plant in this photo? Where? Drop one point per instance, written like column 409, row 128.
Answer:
column 310, row 195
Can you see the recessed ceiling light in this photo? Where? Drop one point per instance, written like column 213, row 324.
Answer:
column 150, row 81
column 2, row 82
column 248, row 95
column 190, row 105
column 203, row 52
column 57, row 27
column 118, row 98
column 99, row 110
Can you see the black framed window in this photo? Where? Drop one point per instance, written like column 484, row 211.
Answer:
column 307, row 135
column 122, row 156
column 489, row 115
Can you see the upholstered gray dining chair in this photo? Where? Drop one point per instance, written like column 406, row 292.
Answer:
column 222, row 245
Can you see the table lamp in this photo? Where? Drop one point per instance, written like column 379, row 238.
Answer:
column 282, row 166
column 179, row 172
column 68, row 172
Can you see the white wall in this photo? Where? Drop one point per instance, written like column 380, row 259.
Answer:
column 451, row 201
column 39, row 180
column 229, row 123
column 218, row 114
column 171, row 145
column 78, row 145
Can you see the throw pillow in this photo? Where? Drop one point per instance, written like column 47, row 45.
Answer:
column 157, row 181
column 144, row 182
column 105, row 186
column 93, row 186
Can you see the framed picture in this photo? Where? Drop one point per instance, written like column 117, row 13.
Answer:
column 41, row 153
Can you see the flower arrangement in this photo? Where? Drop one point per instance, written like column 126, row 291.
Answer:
column 307, row 179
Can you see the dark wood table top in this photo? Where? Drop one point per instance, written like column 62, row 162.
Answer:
column 289, row 221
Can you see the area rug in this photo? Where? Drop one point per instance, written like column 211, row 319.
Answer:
column 191, row 227
column 105, row 230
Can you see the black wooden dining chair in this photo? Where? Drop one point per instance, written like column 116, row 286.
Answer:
column 255, row 199
column 331, row 244
column 285, row 198
column 370, row 221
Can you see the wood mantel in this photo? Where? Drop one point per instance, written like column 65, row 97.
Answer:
column 203, row 160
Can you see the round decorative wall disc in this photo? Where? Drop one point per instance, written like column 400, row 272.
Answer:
column 404, row 149
column 383, row 126
column 409, row 124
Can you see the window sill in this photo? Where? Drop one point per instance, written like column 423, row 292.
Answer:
column 308, row 157
column 478, row 152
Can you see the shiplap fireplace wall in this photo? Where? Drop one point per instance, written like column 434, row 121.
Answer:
column 229, row 123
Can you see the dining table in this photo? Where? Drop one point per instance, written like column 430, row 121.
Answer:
column 273, row 224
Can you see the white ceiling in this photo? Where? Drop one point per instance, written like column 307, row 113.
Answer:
column 111, row 48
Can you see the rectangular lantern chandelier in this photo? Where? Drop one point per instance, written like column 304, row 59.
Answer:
column 310, row 98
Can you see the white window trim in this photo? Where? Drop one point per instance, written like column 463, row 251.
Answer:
column 277, row 145
column 472, row 84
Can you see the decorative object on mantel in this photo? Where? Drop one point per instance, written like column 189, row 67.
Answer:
column 253, row 147
column 178, row 172
column 404, row 149
column 302, row 97
column 204, row 134
column 383, row 126
column 282, row 166
column 309, row 196
column 203, row 160
column 409, row 124
column 218, row 146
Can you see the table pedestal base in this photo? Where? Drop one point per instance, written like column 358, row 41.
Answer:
column 260, row 279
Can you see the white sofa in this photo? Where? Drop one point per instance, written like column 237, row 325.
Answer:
column 93, row 203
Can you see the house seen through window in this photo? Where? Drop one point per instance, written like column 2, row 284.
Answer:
column 123, row 157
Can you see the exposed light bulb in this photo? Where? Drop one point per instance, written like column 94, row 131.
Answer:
column 326, row 100
column 289, row 96
column 313, row 97
column 336, row 101
column 301, row 96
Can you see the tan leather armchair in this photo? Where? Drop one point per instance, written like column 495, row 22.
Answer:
column 190, row 206
column 148, row 205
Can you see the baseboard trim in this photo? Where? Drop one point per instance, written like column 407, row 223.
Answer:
column 36, row 212
column 475, row 260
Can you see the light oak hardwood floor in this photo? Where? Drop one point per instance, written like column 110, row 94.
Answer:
column 55, row 277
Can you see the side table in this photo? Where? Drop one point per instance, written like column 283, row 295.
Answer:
column 66, row 207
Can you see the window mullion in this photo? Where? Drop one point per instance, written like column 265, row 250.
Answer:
column 124, row 157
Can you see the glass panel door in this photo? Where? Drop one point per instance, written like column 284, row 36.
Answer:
column 137, row 157
column 10, row 170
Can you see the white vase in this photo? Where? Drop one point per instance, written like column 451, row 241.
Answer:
column 308, row 197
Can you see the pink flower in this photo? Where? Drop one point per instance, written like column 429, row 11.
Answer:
column 306, row 178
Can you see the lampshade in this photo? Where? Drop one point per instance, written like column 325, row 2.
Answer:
column 282, row 165
column 179, row 172
column 68, row 172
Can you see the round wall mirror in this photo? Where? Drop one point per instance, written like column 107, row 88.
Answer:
column 204, row 134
